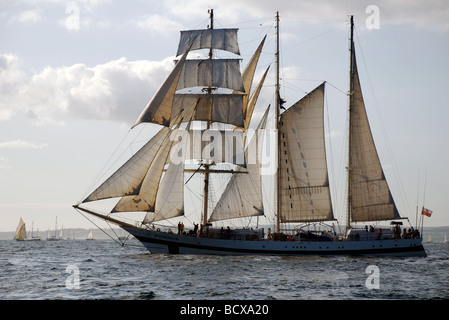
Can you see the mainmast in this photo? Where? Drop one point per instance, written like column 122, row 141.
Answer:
column 278, row 216
column 351, row 103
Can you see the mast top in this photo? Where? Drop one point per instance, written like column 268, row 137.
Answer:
column 211, row 15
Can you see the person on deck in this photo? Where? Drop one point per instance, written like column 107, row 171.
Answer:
column 379, row 234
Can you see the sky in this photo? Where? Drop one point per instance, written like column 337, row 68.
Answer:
column 75, row 75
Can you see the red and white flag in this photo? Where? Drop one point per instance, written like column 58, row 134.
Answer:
column 426, row 212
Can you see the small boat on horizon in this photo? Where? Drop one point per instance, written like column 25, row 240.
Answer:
column 90, row 235
column 55, row 237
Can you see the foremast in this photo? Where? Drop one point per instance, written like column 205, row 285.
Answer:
column 207, row 165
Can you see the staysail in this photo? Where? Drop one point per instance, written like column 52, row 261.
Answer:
column 248, row 76
column 128, row 179
column 303, row 177
column 145, row 198
column 243, row 194
column 371, row 199
column 159, row 109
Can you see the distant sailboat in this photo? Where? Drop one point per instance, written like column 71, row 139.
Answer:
column 54, row 238
column 89, row 235
column 445, row 239
column 33, row 237
column 430, row 239
column 21, row 233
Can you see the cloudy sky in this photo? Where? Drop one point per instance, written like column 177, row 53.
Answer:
column 75, row 75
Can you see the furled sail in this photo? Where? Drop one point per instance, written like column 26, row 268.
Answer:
column 303, row 177
column 217, row 73
column 223, row 39
column 371, row 199
column 21, row 233
column 243, row 194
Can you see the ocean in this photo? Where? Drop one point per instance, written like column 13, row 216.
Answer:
column 104, row 270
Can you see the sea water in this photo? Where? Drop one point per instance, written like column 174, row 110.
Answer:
column 103, row 269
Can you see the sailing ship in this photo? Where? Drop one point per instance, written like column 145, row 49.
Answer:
column 89, row 235
column 21, row 233
column 34, row 237
column 55, row 237
column 215, row 93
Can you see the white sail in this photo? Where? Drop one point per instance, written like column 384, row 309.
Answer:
column 303, row 178
column 128, row 179
column 170, row 197
column 243, row 194
column 21, row 232
column 371, row 199
column 217, row 73
column 252, row 101
column 169, row 200
column 146, row 197
column 159, row 109
column 223, row 39
column 248, row 76
column 149, row 163
column 224, row 108
column 209, row 145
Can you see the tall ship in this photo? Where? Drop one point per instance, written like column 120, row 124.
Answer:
column 203, row 112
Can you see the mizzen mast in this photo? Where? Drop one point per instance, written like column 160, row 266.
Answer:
column 351, row 104
column 277, row 93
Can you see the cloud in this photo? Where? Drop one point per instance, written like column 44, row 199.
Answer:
column 4, row 164
column 116, row 90
column 10, row 71
column 27, row 17
column 20, row 144
column 334, row 134
column 158, row 24
column 6, row 114
column 30, row 16
column 430, row 15
column 10, row 78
